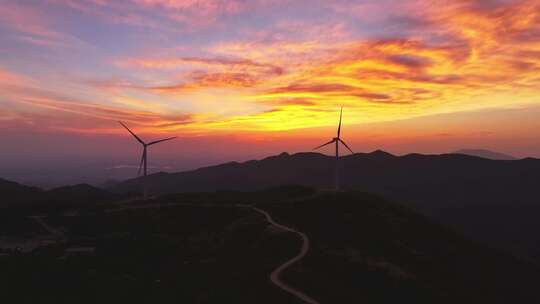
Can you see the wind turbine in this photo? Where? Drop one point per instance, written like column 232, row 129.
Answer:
column 144, row 157
column 337, row 140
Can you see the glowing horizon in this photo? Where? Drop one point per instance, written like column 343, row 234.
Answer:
column 257, row 69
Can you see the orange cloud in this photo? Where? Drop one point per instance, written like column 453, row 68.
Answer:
column 227, row 63
column 9, row 78
column 217, row 73
column 210, row 80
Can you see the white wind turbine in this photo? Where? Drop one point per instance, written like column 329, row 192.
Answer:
column 337, row 140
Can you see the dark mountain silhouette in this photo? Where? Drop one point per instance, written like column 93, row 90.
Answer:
column 20, row 198
column 460, row 176
column 13, row 192
column 80, row 192
column 490, row 200
column 110, row 183
column 485, row 154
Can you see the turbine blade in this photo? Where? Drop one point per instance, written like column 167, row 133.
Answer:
column 158, row 141
column 346, row 145
column 136, row 137
column 333, row 140
column 140, row 165
column 339, row 127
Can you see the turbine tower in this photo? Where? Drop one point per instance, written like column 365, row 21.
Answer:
column 337, row 140
column 144, row 158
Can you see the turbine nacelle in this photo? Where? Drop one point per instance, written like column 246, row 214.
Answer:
column 337, row 140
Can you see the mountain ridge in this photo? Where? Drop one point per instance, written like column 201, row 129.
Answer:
column 22, row 197
column 377, row 155
column 447, row 187
column 483, row 153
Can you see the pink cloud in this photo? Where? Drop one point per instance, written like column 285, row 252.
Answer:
column 209, row 7
column 7, row 77
column 33, row 26
column 163, row 14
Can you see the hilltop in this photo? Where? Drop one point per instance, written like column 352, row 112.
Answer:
column 19, row 198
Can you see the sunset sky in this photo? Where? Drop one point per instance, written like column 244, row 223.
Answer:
column 239, row 79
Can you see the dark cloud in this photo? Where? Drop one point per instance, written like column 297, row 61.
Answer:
column 335, row 90
column 486, row 6
column 413, row 62
column 521, row 65
column 375, row 96
column 409, row 76
column 317, row 88
column 408, row 21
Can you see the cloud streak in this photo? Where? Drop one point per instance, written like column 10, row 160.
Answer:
column 31, row 26
column 22, row 102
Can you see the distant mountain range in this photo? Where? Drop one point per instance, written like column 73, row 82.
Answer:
column 451, row 175
column 19, row 197
column 491, row 200
column 494, row 201
column 15, row 192
column 485, row 154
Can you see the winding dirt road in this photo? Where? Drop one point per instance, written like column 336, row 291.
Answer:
column 274, row 276
column 40, row 220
